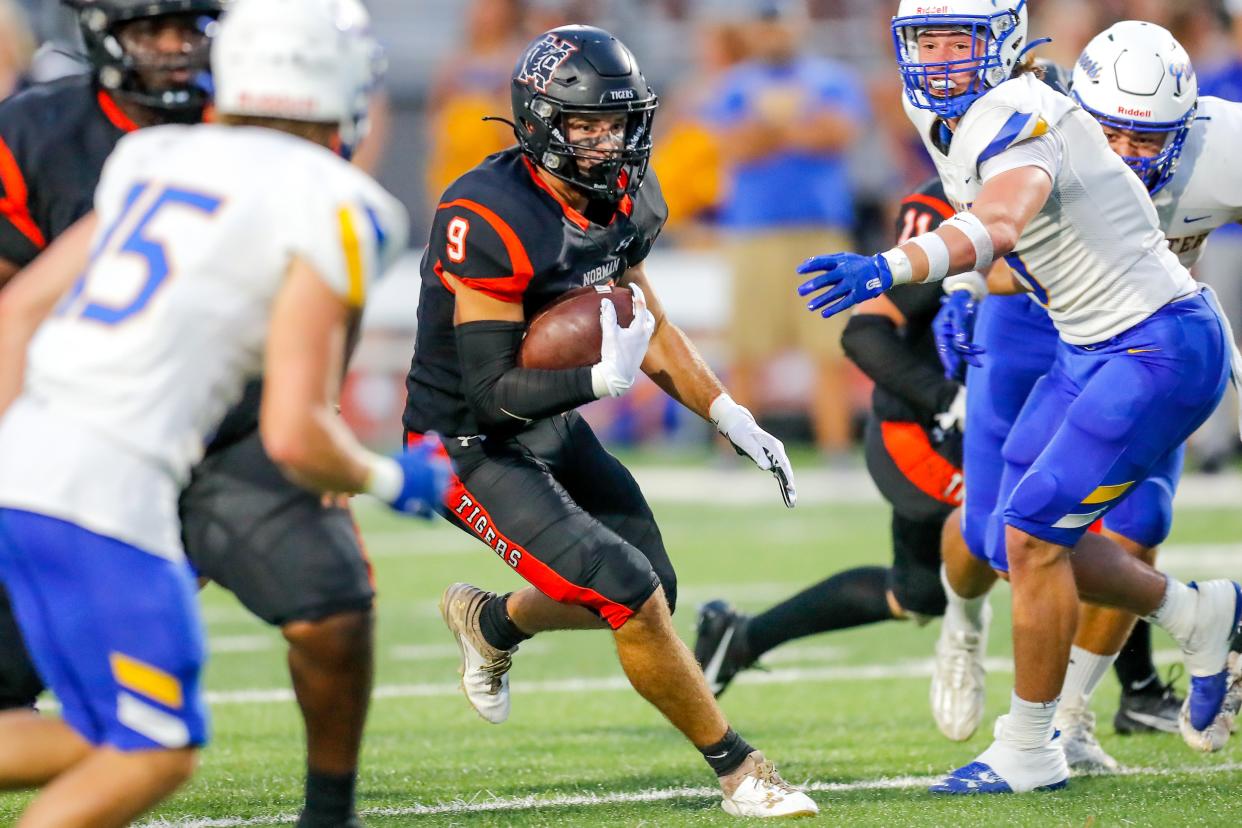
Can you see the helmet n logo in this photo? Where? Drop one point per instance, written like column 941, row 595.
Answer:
column 542, row 60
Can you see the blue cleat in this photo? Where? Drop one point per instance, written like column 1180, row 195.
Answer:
column 1005, row 769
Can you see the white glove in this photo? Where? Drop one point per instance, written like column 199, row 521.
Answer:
column 955, row 417
column 621, row 349
column 739, row 427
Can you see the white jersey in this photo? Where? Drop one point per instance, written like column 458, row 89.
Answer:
column 1094, row 256
column 126, row 382
column 1206, row 189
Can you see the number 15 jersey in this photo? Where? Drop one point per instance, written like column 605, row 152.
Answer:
column 133, row 372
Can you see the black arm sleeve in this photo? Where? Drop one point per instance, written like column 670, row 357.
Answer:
column 500, row 394
column 874, row 345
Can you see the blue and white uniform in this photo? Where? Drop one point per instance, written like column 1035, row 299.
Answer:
column 1139, row 345
column 127, row 381
column 1204, row 194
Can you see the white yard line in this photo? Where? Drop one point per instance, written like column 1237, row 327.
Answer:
column 484, row 803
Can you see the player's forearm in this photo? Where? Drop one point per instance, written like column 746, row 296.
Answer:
column 874, row 345
column 503, row 396
column 316, row 450
column 675, row 364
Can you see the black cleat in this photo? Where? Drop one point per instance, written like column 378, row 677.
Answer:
column 1153, row 708
column 719, row 644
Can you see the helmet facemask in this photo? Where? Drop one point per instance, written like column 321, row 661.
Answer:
column 1155, row 172
column 610, row 166
column 990, row 37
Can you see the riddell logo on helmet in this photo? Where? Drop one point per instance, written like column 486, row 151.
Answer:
column 1134, row 113
column 282, row 104
column 932, row 10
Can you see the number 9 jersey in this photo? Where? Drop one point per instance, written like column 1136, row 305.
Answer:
column 138, row 364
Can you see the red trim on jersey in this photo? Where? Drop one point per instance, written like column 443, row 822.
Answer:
column 945, row 209
column 536, row 572
column 570, row 213
column 112, row 110
column 509, row 288
column 1097, row 527
column 14, row 206
column 914, row 456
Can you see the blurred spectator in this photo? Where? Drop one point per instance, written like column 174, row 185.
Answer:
column 17, row 46
column 786, row 120
column 1224, row 79
column 472, row 84
column 688, row 153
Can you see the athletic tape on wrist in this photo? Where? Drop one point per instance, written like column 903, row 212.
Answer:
column 386, row 479
column 899, row 265
column 937, row 255
column 969, row 224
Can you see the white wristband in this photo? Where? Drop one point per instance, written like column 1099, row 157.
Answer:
column 937, row 255
column 385, row 480
column 974, row 229
column 725, row 413
column 972, row 281
column 899, row 265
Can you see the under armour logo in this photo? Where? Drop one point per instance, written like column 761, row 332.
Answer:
column 542, row 60
column 874, row 284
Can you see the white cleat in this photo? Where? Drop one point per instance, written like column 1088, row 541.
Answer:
column 1005, row 769
column 756, row 790
column 1216, row 735
column 1083, row 753
column 484, row 669
column 957, row 685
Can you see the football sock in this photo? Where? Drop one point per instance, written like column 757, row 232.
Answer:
column 497, row 627
column 1085, row 671
column 1135, row 668
column 1176, row 614
column 847, row 599
column 1029, row 724
column 962, row 612
column 726, row 755
column 329, row 798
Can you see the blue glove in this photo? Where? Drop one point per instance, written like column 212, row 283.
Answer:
column 849, row 279
column 426, row 474
column 954, row 329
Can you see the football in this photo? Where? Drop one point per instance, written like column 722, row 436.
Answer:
column 566, row 334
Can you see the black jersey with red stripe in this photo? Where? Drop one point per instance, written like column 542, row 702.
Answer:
column 54, row 139
column 501, row 230
column 921, row 212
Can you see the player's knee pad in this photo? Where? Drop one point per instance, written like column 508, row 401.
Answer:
column 1145, row 516
column 1032, row 497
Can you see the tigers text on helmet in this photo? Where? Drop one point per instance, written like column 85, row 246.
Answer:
column 121, row 71
column 586, row 72
column 1136, row 77
column 301, row 60
column 998, row 28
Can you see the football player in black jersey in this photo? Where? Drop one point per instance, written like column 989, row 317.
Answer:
column 291, row 560
column 572, row 204
column 914, row 455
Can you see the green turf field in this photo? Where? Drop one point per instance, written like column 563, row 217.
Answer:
column 581, row 748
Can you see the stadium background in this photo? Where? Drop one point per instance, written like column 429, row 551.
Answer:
column 449, row 65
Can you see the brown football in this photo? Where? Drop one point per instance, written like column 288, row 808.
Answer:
column 566, row 334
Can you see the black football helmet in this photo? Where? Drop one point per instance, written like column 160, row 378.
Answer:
column 585, row 71
column 120, row 72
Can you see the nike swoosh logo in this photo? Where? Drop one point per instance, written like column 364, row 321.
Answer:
column 1142, row 350
column 717, row 659
column 1157, row 722
column 1189, row 220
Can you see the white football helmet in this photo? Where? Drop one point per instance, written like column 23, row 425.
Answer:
column 1136, row 76
column 303, row 60
column 999, row 28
